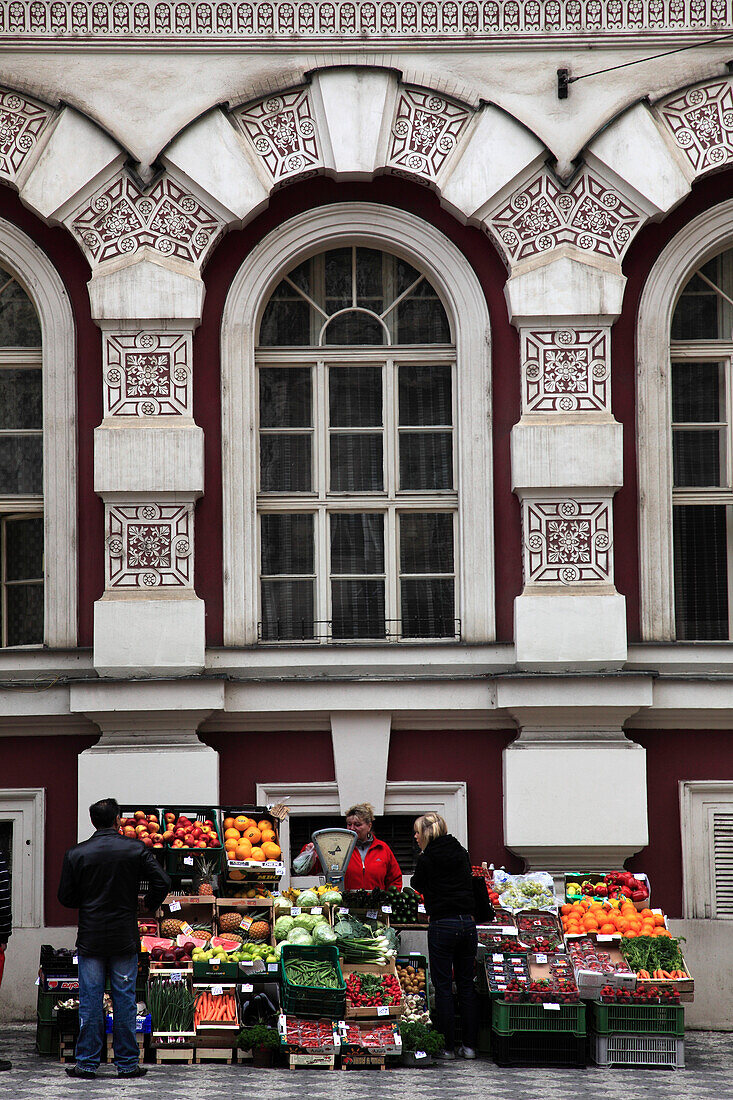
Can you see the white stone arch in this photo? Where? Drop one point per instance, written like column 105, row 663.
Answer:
column 39, row 278
column 418, row 242
column 701, row 239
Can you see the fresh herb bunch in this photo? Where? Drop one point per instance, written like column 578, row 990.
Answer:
column 258, row 1037
column 653, row 953
column 420, row 1037
column 171, row 1005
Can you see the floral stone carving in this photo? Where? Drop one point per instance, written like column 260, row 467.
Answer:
column 565, row 370
column 22, row 121
column 121, row 218
column 147, row 374
column 149, row 546
column 282, row 130
column 701, row 121
column 425, row 131
column 567, row 542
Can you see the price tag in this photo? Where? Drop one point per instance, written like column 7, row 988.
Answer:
column 343, row 911
column 272, row 968
column 660, row 911
column 551, row 1007
column 38, row 981
column 215, row 961
column 420, row 1054
column 604, row 939
column 75, row 960
column 415, row 954
column 386, row 908
column 188, row 861
column 176, row 976
column 295, row 911
column 540, row 959
column 317, row 910
column 372, row 914
column 498, row 958
column 421, row 908
column 174, row 906
column 382, row 1010
column 245, row 923
column 186, row 928
column 217, row 990
column 248, row 987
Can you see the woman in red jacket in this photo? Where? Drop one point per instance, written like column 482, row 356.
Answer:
column 372, row 862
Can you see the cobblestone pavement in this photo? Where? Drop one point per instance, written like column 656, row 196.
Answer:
column 708, row 1076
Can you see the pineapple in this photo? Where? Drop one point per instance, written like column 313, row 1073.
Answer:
column 259, row 931
column 207, row 870
column 201, row 931
column 229, row 922
column 171, row 928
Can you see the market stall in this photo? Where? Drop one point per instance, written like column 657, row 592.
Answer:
column 573, row 967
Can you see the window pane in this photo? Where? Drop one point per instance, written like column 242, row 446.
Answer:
column 421, row 318
column 19, row 326
column 696, row 457
column 426, row 460
column 358, row 609
column 24, row 549
column 287, row 544
column 285, row 463
column 425, row 396
column 696, row 317
column 426, row 542
column 355, row 397
column 701, row 572
column 428, row 609
column 24, row 609
column 356, row 463
column 286, row 322
column 21, row 465
column 338, row 279
column 20, row 399
column 355, row 328
column 369, row 286
column 357, row 542
column 285, row 397
column 287, row 610
column 697, row 392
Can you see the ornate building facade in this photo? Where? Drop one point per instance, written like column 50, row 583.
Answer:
column 366, row 404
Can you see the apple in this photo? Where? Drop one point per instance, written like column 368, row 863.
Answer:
column 179, row 833
column 153, row 827
column 147, row 841
column 140, row 815
column 201, row 844
column 168, row 834
column 170, row 817
column 129, row 831
column 206, row 828
column 177, row 843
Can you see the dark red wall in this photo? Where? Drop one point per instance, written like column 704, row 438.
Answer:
column 49, row 762
column 673, row 756
column 218, row 276
column 73, row 269
column 640, row 258
column 250, row 758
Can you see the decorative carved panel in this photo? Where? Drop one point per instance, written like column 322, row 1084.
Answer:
column 565, row 370
column 147, row 374
column 149, row 546
column 543, row 215
column 121, row 218
column 702, row 123
column 425, row 131
column 567, row 541
column 282, row 130
column 22, row 121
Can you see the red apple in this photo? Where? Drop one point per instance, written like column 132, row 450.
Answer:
column 129, row 831
column 153, row 827
column 147, row 841
column 168, row 834
column 170, row 817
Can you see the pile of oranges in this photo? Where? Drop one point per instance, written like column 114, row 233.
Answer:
column 611, row 918
column 245, row 838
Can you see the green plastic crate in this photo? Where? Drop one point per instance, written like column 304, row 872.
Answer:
column 45, row 1004
column 47, row 1039
column 312, row 1002
column 508, row 1018
column 611, row 1019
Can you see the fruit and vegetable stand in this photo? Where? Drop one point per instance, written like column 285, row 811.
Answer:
column 572, row 968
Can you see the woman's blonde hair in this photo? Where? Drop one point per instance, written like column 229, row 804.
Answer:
column 429, row 826
column 363, row 810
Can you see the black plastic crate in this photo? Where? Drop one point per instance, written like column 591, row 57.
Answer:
column 58, row 966
column 539, row 1048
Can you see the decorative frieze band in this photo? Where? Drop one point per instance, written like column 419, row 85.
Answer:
column 565, row 370
column 567, row 541
column 149, row 546
column 354, row 19
column 147, row 374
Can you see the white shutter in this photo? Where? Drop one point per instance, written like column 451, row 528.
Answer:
column 721, row 851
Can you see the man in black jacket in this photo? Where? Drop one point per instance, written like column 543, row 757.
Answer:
column 6, row 924
column 101, row 878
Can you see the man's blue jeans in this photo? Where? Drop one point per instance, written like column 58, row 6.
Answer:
column 93, row 971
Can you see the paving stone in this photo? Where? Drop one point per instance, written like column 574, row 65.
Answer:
column 708, row 1076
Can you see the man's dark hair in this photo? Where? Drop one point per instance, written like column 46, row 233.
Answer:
column 104, row 813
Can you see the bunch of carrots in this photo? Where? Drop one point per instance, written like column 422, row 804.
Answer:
column 219, row 1008
column 663, row 975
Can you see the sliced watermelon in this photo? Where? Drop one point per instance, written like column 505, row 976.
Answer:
column 222, row 941
column 149, row 942
column 182, row 939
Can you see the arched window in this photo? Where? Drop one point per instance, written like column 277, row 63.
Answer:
column 21, row 468
column 357, row 495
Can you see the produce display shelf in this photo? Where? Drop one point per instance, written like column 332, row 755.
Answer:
column 510, row 1019
column 638, row 1050
column 308, row 1001
column 538, row 1048
column 607, row 1019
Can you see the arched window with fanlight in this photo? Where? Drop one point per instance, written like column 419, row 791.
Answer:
column 357, row 495
column 21, row 468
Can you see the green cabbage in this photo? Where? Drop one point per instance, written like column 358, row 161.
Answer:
column 300, row 936
column 308, row 899
column 307, row 921
column 283, row 925
column 331, row 897
column 323, row 933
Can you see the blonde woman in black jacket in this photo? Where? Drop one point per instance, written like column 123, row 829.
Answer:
column 443, row 876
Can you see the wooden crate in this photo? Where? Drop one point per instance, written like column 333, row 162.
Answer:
column 312, row 1061
column 225, row 1055
column 363, row 1061
column 177, row 1053
column 371, row 1011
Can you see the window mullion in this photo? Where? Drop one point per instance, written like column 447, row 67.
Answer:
column 392, row 566
column 323, row 574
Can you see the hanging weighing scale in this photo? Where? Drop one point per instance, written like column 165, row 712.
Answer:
column 334, row 848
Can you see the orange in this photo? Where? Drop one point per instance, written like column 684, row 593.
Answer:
column 272, row 851
column 244, row 850
column 659, row 919
column 630, row 935
column 241, row 822
column 257, row 854
column 261, row 825
column 607, row 929
column 231, row 834
column 267, row 834
column 231, row 845
column 253, row 834
column 565, row 909
column 228, row 823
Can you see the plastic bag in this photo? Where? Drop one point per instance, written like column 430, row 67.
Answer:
column 531, row 891
column 306, row 862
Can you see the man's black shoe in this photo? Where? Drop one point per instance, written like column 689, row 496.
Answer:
column 82, row 1074
column 139, row 1071
column 5, row 1065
